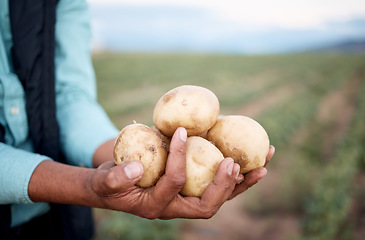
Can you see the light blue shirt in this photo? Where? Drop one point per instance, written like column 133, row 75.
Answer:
column 84, row 125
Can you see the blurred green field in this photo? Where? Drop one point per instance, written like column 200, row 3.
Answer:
column 313, row 108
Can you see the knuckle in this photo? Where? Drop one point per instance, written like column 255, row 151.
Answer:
column 209, row 213
column 177, row 180
column 177, row 150
column 178, row 183
column 151, row 214
column 109, row 180
column 226, row 185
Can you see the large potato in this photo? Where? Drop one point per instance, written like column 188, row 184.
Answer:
column 242, row 139
column 140, row 142
column 202, row 160
column 192, row 107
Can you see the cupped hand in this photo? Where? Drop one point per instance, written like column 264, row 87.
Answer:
column 115, row 186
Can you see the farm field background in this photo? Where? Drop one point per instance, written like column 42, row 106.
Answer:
column 313, row 108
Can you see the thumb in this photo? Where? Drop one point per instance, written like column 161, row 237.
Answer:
column 116, row 179
column 133, row 171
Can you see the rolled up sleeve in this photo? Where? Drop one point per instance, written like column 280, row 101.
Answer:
column 17, row 167
column 84, row 125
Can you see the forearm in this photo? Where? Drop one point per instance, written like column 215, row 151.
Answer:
column 59, row 183
column 104, row 153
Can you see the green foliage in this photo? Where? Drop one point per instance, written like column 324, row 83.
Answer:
column 129, row 85
column 327, row 208
column 124, row 226
column 282, row 121
column 361, row 117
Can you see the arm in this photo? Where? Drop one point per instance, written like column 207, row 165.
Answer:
column 113, row 187
column 104, row 153
column 84, row 125
column 16, row 169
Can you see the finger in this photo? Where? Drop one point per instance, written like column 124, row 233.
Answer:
column 240, row 178
column 270, row 154
column 174, row 178
column 182, row 207
column 211, row 200
column 223, row 185
column 109, row 180
column 250, row 179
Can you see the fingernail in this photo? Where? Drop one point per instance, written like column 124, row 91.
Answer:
column 264, row 171
column 182, row 134
column 240, row 179
column 230, row 168
column 133, row 170
column 236, row 169
column 272, row 148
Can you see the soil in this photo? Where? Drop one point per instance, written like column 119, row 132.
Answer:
column 233, row 221
column 338, row 108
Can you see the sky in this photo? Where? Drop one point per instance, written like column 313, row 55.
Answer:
column 211, row 24
column 279, row 13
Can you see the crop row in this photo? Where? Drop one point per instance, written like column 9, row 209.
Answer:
column 315, row 80
column 283, row 120
column 328, row 206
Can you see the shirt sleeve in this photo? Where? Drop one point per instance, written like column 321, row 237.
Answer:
column 17, row 166
column 84, row 125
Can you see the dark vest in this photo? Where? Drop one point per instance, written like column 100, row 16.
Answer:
column 33, row 32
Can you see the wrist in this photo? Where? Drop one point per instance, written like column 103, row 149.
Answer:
column 59, row 183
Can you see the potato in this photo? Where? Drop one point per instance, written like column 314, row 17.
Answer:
column 166, row 140
column 202, row 160
column 242, row 139
column 140, row 142
column 192, row 107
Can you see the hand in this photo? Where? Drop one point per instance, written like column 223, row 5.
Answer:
column 116, row 189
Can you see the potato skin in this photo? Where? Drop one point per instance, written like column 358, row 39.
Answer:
column 139, row 142
column 202, row 161
column 242, row 139
column 166, row 140
column 192, row 107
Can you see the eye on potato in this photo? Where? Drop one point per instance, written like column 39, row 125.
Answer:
column 140, row 142
column 192, row 107
column 202, row 160
column 242, row 139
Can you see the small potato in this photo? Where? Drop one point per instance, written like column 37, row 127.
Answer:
column 242, row 139
column 139, row 142
column 202, row 160
column 192, row 107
